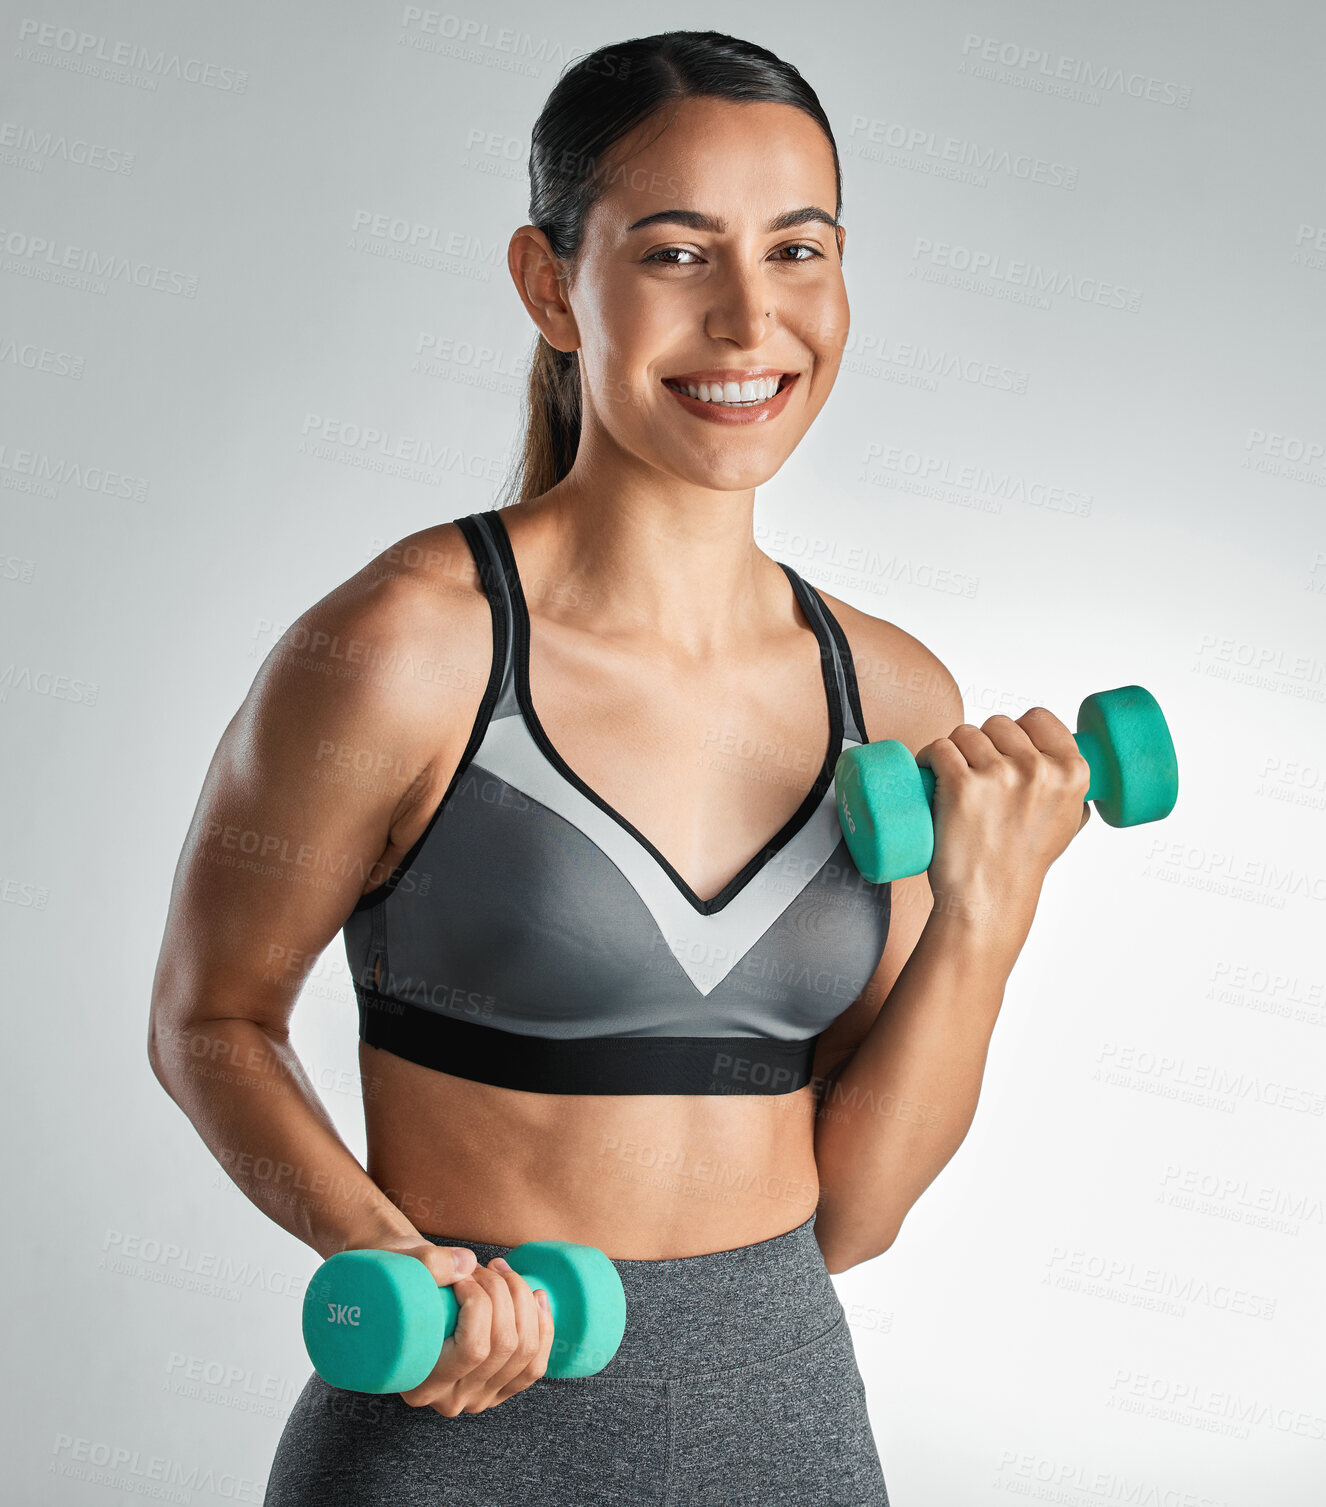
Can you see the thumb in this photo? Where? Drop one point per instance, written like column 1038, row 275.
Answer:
column 446, row 1263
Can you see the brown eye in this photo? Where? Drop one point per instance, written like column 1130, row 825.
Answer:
column 657, row 256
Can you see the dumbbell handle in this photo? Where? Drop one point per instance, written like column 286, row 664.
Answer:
column 1088, row 745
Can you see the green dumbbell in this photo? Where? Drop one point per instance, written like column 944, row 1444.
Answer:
column 375, row 1321
column 884, row 795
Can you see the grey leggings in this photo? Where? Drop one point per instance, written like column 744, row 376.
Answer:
column 736, row 1384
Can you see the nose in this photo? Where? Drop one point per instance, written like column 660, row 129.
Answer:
column 740, row 310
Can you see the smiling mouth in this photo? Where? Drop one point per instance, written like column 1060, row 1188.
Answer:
column 750, row 394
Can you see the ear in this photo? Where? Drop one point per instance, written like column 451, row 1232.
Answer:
column 540, row 279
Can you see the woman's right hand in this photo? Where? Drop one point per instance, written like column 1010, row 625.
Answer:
column 503, row 1334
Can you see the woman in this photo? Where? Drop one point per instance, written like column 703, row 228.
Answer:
column 562, row 772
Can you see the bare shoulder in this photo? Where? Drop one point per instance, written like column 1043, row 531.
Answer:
column 394, row 660
column 411, row 620
column 906, row 690
column 412, row 584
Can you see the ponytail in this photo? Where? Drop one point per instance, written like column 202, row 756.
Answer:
column 552, row 422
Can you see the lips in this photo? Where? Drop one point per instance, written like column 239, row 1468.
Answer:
column 679, row 384
column 746, row 413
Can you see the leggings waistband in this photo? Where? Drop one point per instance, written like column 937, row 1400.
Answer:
column 721, row 1311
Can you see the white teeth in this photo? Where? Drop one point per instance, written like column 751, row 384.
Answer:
column 731, row 394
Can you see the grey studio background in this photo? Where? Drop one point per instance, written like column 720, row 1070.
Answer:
column 257, row 325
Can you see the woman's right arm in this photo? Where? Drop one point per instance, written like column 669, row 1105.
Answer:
column 352, row 729
column 350, row 734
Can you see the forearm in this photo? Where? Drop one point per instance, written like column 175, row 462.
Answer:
column 250, row 1100
column 903, row 1103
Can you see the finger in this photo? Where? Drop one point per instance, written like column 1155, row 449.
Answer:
column 515, row 1374
column 1011, row 739
column 539, row 1365
column 1059, row 747
column 1038, row 737
column 463, row 1348
column 525, row 1312
column 501, row 1339
column 447, row 1263
column 943, row 754
column 975, row 744
column 1048, row 733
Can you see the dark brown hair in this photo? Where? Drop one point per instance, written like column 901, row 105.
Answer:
column 599, row 99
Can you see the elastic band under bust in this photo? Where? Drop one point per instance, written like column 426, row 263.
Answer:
column 584, row 1064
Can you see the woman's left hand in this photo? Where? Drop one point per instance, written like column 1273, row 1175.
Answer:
column 1009, row 798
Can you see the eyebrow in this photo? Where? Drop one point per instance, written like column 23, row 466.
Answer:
column 694, row 220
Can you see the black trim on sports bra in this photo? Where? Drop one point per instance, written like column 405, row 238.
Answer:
column 584, row 1065
column 845, row 657
column 781, row 838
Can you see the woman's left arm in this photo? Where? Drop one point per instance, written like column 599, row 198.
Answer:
column 898, row 1075
column 896, row 1108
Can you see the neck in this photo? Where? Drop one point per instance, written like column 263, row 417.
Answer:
column 675, row 563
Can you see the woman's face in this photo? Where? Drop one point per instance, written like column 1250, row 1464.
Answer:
column 712, row 289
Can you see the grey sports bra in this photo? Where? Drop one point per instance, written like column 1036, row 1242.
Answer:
column 534, row 939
